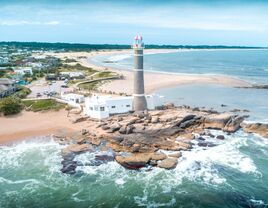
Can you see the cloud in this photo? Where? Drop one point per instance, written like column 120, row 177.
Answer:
column 26, row 22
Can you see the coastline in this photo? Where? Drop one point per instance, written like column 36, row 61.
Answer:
column 32, row 124
column 153, row 80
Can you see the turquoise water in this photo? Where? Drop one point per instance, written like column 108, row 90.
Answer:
column 232, row 174
column 251, row 65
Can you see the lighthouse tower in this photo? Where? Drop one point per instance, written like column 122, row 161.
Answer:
column 139, row 101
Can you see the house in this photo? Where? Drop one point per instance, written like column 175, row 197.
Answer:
column 100, row 107
column 72, row 98
column 7, row 87
column 24, row 70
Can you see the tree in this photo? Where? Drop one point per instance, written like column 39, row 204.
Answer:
column 10, row 105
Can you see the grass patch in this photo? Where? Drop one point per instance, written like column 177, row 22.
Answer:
column 78, row 67
column 22, row 92
column 90, row 86
column 104, row 74
column 40, row 105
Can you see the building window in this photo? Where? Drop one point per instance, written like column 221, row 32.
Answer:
column 96, row 108
column 113, row 106
column 91, row 108
column 128, row 106
column 102, row 108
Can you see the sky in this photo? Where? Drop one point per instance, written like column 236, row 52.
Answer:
column 207, row 22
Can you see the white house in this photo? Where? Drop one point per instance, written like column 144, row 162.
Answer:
column 100, row 107
column 72, row 98
column 24, row 70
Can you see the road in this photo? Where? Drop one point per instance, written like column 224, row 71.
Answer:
column 41, row 86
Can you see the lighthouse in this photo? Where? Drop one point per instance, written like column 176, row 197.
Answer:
column 139, row 100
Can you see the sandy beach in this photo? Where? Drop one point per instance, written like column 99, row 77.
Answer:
column 30, row 124
column 153, row 80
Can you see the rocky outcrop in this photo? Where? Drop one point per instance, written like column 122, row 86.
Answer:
column 258, row 128
column 226, row 122
column 76, row 149
column 140, row 160
column 140, row 135
column 168, row 163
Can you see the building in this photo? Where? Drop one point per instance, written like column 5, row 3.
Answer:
column 101, row 107
column 72, row 98
column 7, row 87
column 139, row 100
column 24, row 70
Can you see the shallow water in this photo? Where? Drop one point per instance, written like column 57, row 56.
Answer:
column 232, row 174
column 251, row 65
column 213, row 96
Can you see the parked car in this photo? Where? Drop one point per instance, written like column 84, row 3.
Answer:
column 64, row 86
column 38, row 94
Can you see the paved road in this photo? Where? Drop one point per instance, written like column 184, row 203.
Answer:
column 41, row 86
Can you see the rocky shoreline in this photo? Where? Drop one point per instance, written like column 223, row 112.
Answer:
column 151, row 139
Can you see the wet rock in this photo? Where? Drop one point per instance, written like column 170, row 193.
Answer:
column 69, row 168
column 201, row 138
column 94, row 141
column 217, row 121
column 168, row 163
column 220, row 137
column 76, row 149
column 176, row 155
column 206, row 144
column 158, row 156
column 81, row 140
column 133, row 161
column 258, row 128
column 186, row 136
column 233, row 124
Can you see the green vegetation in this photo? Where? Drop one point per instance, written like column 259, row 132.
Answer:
column 10, row 106
column 90, row 85
column 104, row 74
column 22, row 92
column 89, row 47
column 77, row 67
column 67, row 60
column 40, row 105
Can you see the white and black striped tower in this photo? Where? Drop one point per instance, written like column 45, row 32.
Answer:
column 139, row 100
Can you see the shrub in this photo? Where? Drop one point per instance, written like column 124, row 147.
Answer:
column 10, row 105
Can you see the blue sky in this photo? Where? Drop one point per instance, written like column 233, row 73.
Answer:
column 160, row 22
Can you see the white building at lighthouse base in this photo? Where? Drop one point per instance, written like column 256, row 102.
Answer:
column 100, row 107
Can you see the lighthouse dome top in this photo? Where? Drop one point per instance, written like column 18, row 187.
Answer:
column 138, row 42
column 138, row 37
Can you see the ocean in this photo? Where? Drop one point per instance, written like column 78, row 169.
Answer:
column 232, row 174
